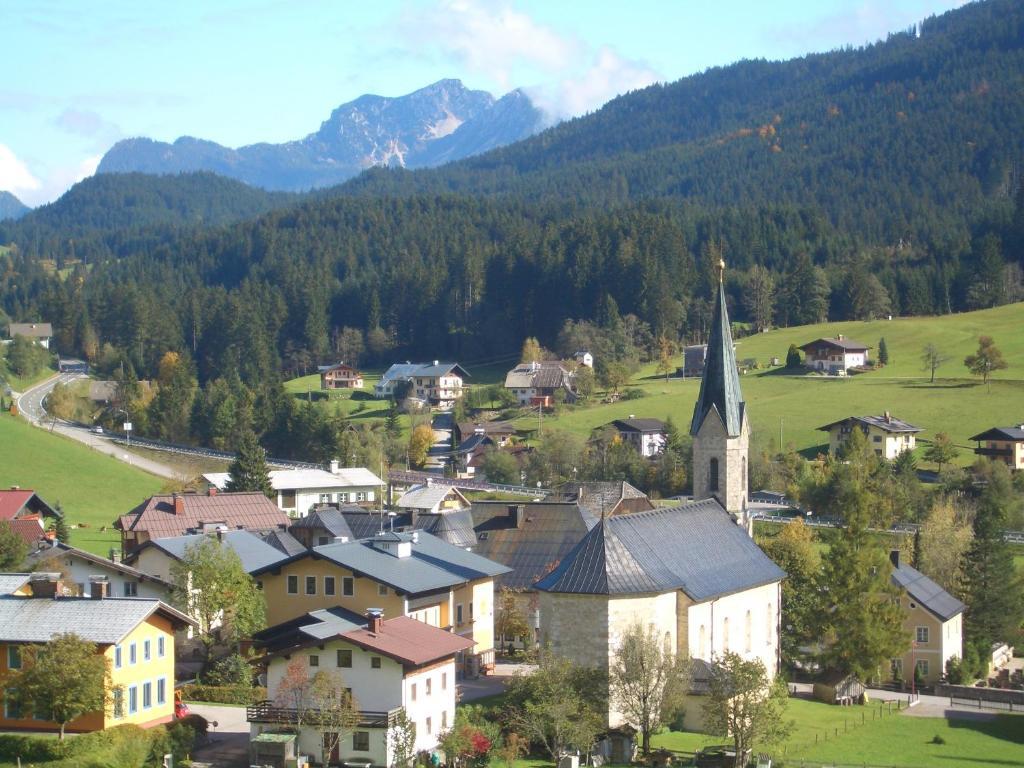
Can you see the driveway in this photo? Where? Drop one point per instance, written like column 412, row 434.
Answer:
column 31, row 404
column 442, row 425
column 228, row 743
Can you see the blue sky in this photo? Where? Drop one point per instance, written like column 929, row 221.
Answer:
column 78, row 76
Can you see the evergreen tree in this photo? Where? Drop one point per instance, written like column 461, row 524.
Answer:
column 249, row 471
column 793, row 357
column 883, row 351
column 992, row 588
column 13, row 548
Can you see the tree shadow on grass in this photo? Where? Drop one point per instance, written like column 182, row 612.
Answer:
column 940, row 385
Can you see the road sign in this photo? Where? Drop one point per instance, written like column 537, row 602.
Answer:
column 127, row 426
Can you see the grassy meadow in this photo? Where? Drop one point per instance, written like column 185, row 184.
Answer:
column 798, row 404
column 91, row 487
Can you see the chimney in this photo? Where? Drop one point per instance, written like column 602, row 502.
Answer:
column 839, row 337
column 334, row 466
column 99, row 587
column 179, row 504
column 45, row 584
column 894, row 558
column 15, row 487
column 437, row 362
column 212, row 490
column 376, row 618
column 888, row 417
column 115, row 556
column 415, row 537
column 516, row 515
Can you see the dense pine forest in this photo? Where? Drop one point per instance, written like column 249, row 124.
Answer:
column 852, row 184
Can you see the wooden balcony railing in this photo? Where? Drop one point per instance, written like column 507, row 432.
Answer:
column 270, row 712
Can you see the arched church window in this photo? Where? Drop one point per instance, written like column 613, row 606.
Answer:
column 713, row 476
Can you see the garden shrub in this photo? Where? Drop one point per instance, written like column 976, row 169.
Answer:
column 223, row 694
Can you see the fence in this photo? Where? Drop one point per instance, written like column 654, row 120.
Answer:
column 869, row 713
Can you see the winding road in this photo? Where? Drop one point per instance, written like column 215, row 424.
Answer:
column 32, row 405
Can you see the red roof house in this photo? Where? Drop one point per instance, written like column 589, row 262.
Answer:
column 23, row 502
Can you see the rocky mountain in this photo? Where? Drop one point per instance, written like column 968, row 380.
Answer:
column 442, row 122
column 11, row 207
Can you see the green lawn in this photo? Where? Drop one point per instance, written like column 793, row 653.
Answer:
column 91, row 487
column 956, row 403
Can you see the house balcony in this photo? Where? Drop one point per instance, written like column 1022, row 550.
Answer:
column 1002, row 452
column 270, row 712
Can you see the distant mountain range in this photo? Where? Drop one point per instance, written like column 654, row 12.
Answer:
column 434, row 125
column 11, row 207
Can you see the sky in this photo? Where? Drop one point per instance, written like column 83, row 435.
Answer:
column 77, row 76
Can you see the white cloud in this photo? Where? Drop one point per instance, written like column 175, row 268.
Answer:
column 15, row 177
column 563, row 74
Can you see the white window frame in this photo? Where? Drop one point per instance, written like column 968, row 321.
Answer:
column 922, row 634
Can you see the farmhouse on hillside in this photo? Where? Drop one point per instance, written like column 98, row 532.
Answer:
column 835, row 356
column 536, row 383
column 887, row 436
column 1004, row 444
column 38, row 333
column 437, row 384
column 647, row 436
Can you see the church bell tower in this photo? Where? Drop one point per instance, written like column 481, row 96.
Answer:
column 719, row 427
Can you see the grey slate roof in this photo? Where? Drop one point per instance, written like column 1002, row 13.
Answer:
column 106, row 621
column 329, row 519
column 433, row 564
column 1001, row 433
column 639, row 425
column 253, row 551
column 848, row 345
column 694, row 547
column 284, row 542
column 896, row 426
column 425, row 496
column 720, row 382
column 454, row 527
column 926, row 592
column 321, row 623
column 12, row 582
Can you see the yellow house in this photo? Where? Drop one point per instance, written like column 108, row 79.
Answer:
column 933, row 619
column 403, row 574
column 887, row 435
column 1004, row 444
column 136, row 636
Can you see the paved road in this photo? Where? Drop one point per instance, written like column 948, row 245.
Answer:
column 32, row 405
column 228, row 743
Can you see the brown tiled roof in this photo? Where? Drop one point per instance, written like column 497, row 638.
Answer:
column 409, row 641
column 30, row 528
column 249, row 510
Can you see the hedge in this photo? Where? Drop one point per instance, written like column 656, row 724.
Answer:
column 223, row 694
column 34, row 748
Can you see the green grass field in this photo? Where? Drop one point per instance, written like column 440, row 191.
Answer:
column 91, row 487
column 798, row 405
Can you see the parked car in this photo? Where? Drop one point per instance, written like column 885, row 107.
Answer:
column 719, row 756
column 97, row 430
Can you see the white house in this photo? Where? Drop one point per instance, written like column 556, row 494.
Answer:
column 432, row 498
column 40, row 333
column 647, row 436
column 835, row 355
column 82, row 568
column 436, row 383
column 388, row 665
column 299, row 490
column 887, row 435
column 536, row 383
column 583, row 357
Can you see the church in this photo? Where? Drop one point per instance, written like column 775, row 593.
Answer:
column 691, row 572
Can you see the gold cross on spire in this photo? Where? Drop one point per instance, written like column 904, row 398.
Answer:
column 721, row 271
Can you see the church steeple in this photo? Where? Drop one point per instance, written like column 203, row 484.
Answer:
column 719, row 427
column 720, row 384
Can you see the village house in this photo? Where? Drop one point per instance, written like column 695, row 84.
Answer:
column 432, row 497
column 501, row 432
column 469, row 454
column 77, row 567
column 178, row 514
column 437, row 384
column 583, row 357
column 933, row 620
column 604, row 497
column 334, row 523
column 405, row 574
column 887, row 436
column 299, row 490
column 339, row 376
column 835, row 356
column 1004, row 444
column 136, row 635
column 693, row 360
column 691, row 573
column 157, row 556
column 388, row 664
column 27, row 514
column 39, row 333
column 536, row 383
column 647, row 436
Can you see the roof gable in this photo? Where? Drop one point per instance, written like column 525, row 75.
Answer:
column 720, row 382
column 248, row 510
column 926, row 592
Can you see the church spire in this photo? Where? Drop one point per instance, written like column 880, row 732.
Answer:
column 720, row 384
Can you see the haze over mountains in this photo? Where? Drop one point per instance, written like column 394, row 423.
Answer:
column 11, row 207
column 437, row 124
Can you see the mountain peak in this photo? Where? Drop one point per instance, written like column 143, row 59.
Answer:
column 438, row 123
column 11, row 207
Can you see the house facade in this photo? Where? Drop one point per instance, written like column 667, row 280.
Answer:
column 432, row 498
column 887, row 435
column 933, row 620
column 835, row 356
column 135, row 635
column 536, row 383
column 389, row 665
column 80, row 567
column 298, row 491
column 647, row 436
column 39, row 333
column 1005, row 444
column 340, row 376
column 405, row 574
column 438, row 384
